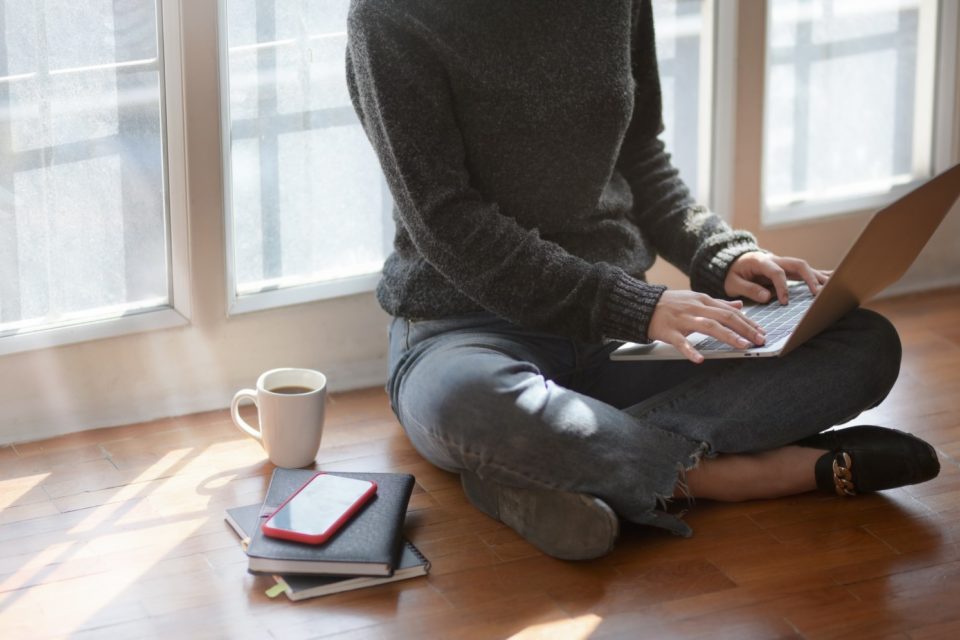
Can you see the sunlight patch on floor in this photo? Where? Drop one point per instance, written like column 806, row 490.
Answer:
column 572, row 629
column 14, row 489
column 73, row 600
column 36, row 563
column 128, row 492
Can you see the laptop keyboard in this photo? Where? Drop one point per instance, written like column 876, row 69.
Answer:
column 777, row 320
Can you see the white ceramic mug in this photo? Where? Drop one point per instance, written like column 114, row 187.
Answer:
column 291, row 420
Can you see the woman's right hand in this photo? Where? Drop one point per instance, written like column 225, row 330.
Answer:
column 680, row 313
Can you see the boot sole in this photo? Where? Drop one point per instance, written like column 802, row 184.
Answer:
column 565, row 525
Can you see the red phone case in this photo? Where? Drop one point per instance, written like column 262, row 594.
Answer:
column 299, row 536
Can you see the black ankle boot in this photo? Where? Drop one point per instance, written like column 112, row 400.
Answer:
column 867, row 458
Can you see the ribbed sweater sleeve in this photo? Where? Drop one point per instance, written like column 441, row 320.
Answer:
column 401, row 92
column 690, row 237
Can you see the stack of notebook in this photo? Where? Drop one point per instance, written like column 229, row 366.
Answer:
column 368, row 550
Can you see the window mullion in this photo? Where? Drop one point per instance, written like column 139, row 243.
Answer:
column 722, row 105
column 925, row 89
column 174, row 156
column 946, row 124
column 705, row 141
column 747, row 70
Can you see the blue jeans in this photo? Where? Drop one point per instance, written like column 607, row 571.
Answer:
column 535, row 410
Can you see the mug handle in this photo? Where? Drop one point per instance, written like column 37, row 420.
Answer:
column 235, row 412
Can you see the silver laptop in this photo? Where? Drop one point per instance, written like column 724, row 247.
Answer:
column 888, row 245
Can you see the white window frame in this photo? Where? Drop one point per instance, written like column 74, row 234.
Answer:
column 708, row 98
column 719, row 159
column 177, row 311
column 946, row 118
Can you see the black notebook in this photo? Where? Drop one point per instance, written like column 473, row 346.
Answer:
column 411, row 564
column 367, row 545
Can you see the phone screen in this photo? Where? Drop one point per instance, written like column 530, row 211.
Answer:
column 320, row 504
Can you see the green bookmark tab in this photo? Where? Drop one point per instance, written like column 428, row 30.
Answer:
column 276, row 590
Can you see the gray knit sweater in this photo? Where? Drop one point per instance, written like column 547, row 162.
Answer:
column 519, row 140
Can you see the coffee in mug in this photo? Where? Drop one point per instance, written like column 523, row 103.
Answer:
column 291, row 404
column 292, row 390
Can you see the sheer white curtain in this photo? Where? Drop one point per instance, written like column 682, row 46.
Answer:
column 679, row 27
column 306, row 199
column 841, row 96
column 83, row 215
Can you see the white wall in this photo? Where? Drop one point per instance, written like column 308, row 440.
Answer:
column 939, row 264
column 178, row 371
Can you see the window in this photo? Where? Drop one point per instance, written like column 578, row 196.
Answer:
column 849, row 99
column 309, row 213
column 84, row 222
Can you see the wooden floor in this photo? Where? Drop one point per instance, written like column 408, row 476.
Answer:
column 119, row 533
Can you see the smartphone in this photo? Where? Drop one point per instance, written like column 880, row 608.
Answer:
column 319, row 508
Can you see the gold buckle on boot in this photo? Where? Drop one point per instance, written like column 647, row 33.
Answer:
column 842, row 478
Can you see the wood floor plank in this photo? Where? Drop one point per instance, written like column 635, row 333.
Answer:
column 938, row 631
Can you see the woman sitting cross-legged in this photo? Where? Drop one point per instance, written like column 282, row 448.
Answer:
column 520, row 143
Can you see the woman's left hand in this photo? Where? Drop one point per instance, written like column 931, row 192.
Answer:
column 751, row 274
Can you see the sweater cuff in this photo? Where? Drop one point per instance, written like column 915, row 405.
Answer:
column 713, row 259
column 629, row 309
